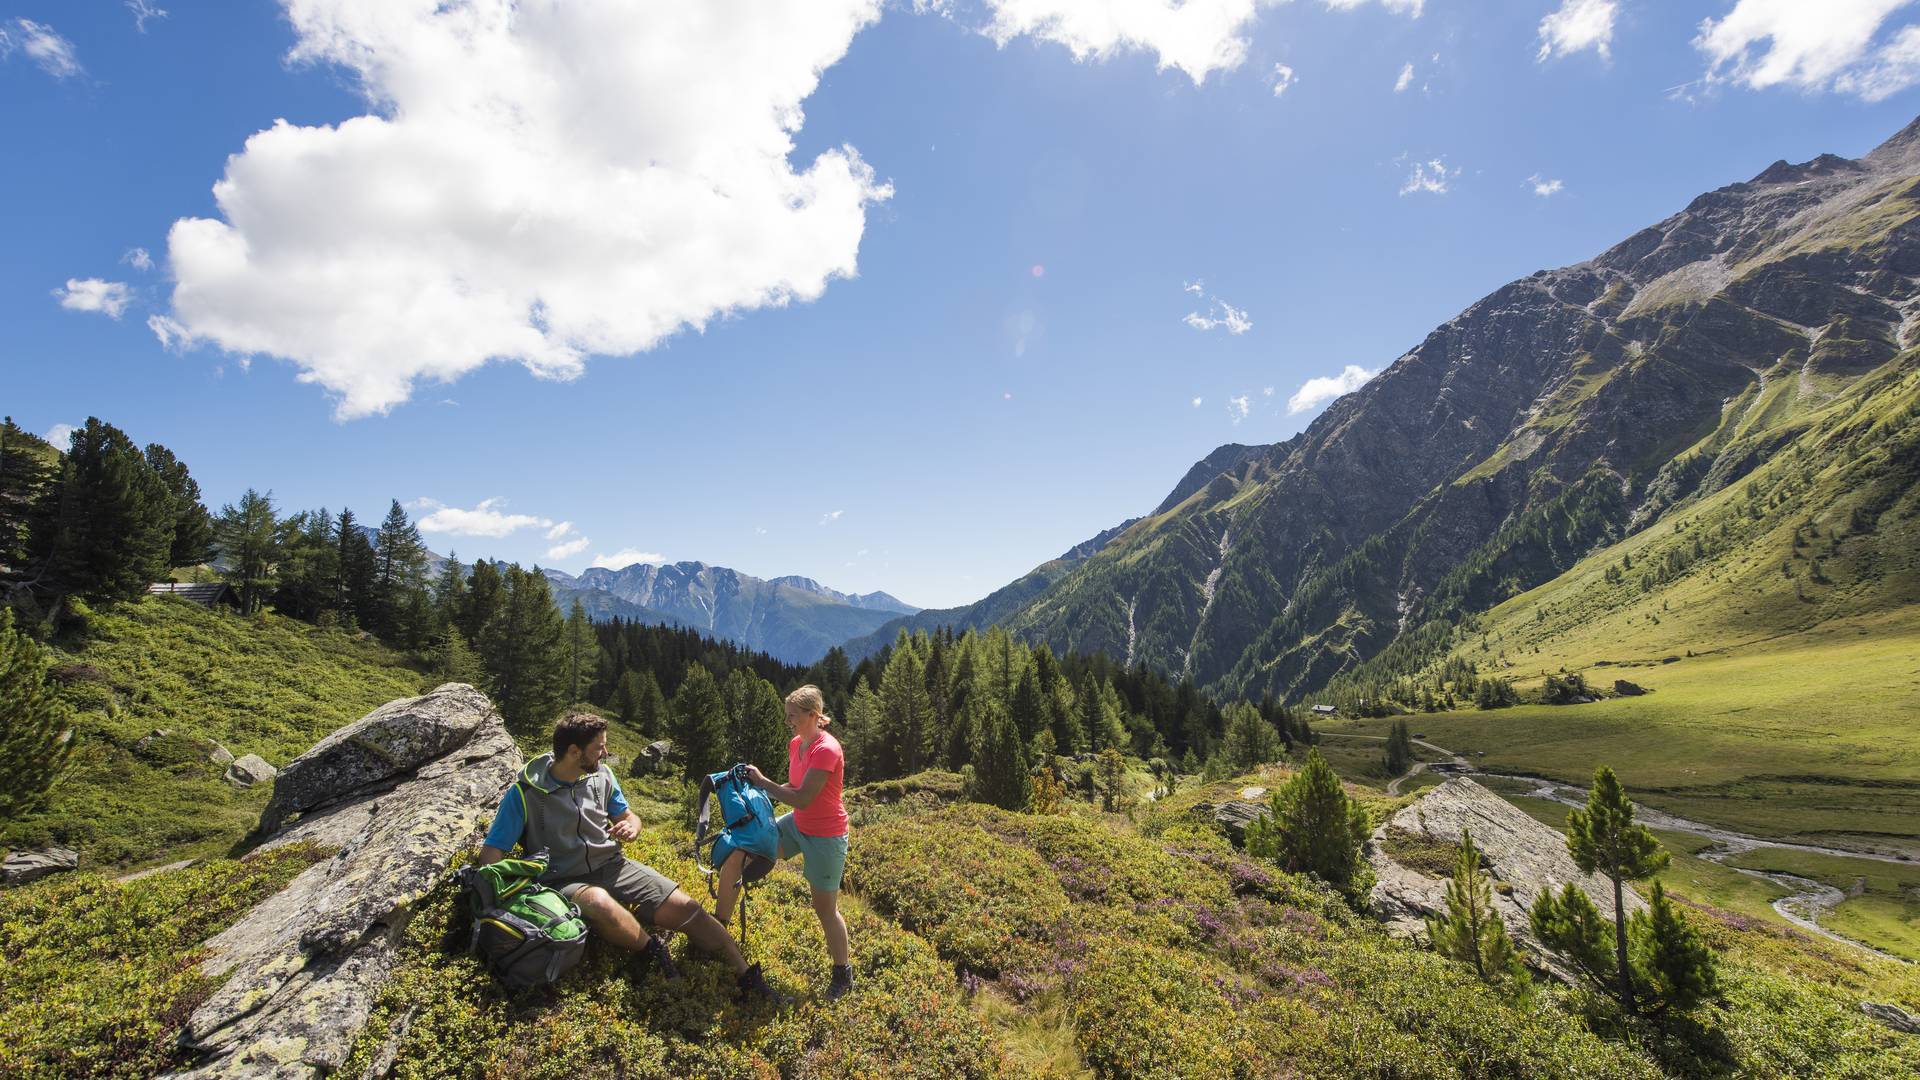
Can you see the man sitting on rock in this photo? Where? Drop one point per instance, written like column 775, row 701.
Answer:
column 569, row 804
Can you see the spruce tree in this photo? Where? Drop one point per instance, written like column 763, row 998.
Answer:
column 484, row 596
column 192, row 542
column 522, row 650
column 757, row 730
column 859, row 728
column 1471, row 930
column 906, row 717
column 581, row 652
column 109, row 532
column 650, row 712
column 1250, row 740
column 358, row 593
column 36, row 733
column 1314, row 827
column 1026, row 709
column 700, row 734
column 249, row 545
column 1399, row 749
column 450, row 592
column 1110, row 771
column 400, row 566
column 453, row 660
column 1000, row 759
column 1604, row 839
column 306, row 564
column 956, row 742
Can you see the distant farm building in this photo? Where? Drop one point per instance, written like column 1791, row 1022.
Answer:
column 206, row 594
column 1324, row 710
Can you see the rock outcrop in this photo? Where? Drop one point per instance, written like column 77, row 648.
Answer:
column 249, row 770
column 397, row 793
column 1524, row 858
column 24, row 866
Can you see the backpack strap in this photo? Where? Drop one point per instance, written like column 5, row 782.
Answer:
column 702, row 823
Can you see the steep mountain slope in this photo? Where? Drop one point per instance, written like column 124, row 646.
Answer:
column 1561, row 413
column 791, row 618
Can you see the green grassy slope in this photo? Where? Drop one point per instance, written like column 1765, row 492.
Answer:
column 263, row 685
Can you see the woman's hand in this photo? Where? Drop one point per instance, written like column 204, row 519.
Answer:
column 756, row 777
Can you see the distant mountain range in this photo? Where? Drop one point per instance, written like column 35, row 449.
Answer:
column 795, row 619
column 1740, row 377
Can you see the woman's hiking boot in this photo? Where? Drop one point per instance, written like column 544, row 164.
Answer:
column 654, row 957
column 842, row 983
column 753, row 984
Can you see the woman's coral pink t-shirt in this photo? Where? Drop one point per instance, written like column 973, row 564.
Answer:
column 825, row 816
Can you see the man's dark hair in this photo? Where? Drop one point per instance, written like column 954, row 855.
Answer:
column 576, row 729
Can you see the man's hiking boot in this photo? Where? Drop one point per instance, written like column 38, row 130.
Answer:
column 753, row 984
column 655, row 957
column 842, row 983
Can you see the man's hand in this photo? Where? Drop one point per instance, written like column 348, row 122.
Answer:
column 756, row 777
column 626, row 828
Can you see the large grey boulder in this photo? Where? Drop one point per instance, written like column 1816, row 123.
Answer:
column 21, row 867
column 398, row 794
column 654, row 756
column 249, row 770
column 1524, row 858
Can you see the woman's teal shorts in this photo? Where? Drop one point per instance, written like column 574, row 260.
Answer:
column 823, row 858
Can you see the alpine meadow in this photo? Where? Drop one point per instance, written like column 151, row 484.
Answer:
column 432, row 426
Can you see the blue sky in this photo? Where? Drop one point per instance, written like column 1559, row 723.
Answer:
column 942, row 339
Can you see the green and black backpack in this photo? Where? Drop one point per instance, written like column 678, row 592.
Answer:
column 527, row 934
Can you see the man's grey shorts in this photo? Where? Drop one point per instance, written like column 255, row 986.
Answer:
column 635, row 885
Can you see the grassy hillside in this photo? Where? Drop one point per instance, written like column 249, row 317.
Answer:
column 261, row 685
column 989, row 944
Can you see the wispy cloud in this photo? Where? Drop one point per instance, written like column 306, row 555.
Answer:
column 489, row 519
column 138, row 258
column 560, row 530
column 1544, row 187
column 43, row 45
column 1318, row 391
column 1238, row 407
column 1577, row 25
column 1196, row 402
column 60, row 435
column 109, row 298
column 1282, row 78
column 1405, row 80
column 831, row 516
column 144, row 10
column 569, row 549
column 626, row 557
column 1430, row 176
column 1219, row 313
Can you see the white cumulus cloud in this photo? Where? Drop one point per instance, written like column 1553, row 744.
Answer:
column 1315, row 392
column 489, row 518
column 1544, row 187
column 109, row 298
column 569, row 549
column 60, row 436
column 1198, row 36
column 1282, row 78
column 1430, row 176
column 560, row 530
column 1196, row 402
column 1577, row 25
column 43, row 45
column 535, row 181
column 1810, row 46
column 626, row 557
column 1405, row 80
column 1238, row 407
column 138, row 258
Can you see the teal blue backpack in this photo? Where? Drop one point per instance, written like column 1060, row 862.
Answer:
column 746, row 824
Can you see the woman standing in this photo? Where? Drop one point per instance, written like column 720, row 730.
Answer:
column 816, row 829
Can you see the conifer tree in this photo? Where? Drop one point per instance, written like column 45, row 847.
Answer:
column 1026, row 710
column 357, row 594
column 1604, row 839
column 1676, row 966
column 453, row 660
column 249, row 543
column 521, row 648
column 1314, row 827
column 700, row 732
column 1471, row 930
column 400, row 564
column 581, row 651
column 450, row 592
column 906, row 717
column 483, row 598
column 1000, row 760
column 192, row 542
column 1569, row 924
column 109, row 533
column 1399, row 756
column 36, row 733
column 858, row 730
column 1110, row 768
column 957, row 740
column 28, row 468
column 756, row 722
column 1250, row 740
column 307, row 567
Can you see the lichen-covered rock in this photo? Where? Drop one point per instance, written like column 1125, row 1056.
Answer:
column 249, row 770
column 376, row 749
column 1234, row 815
column 1515, row 850
column 21, row 867
column 305, row 966
column 1893, row 1016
